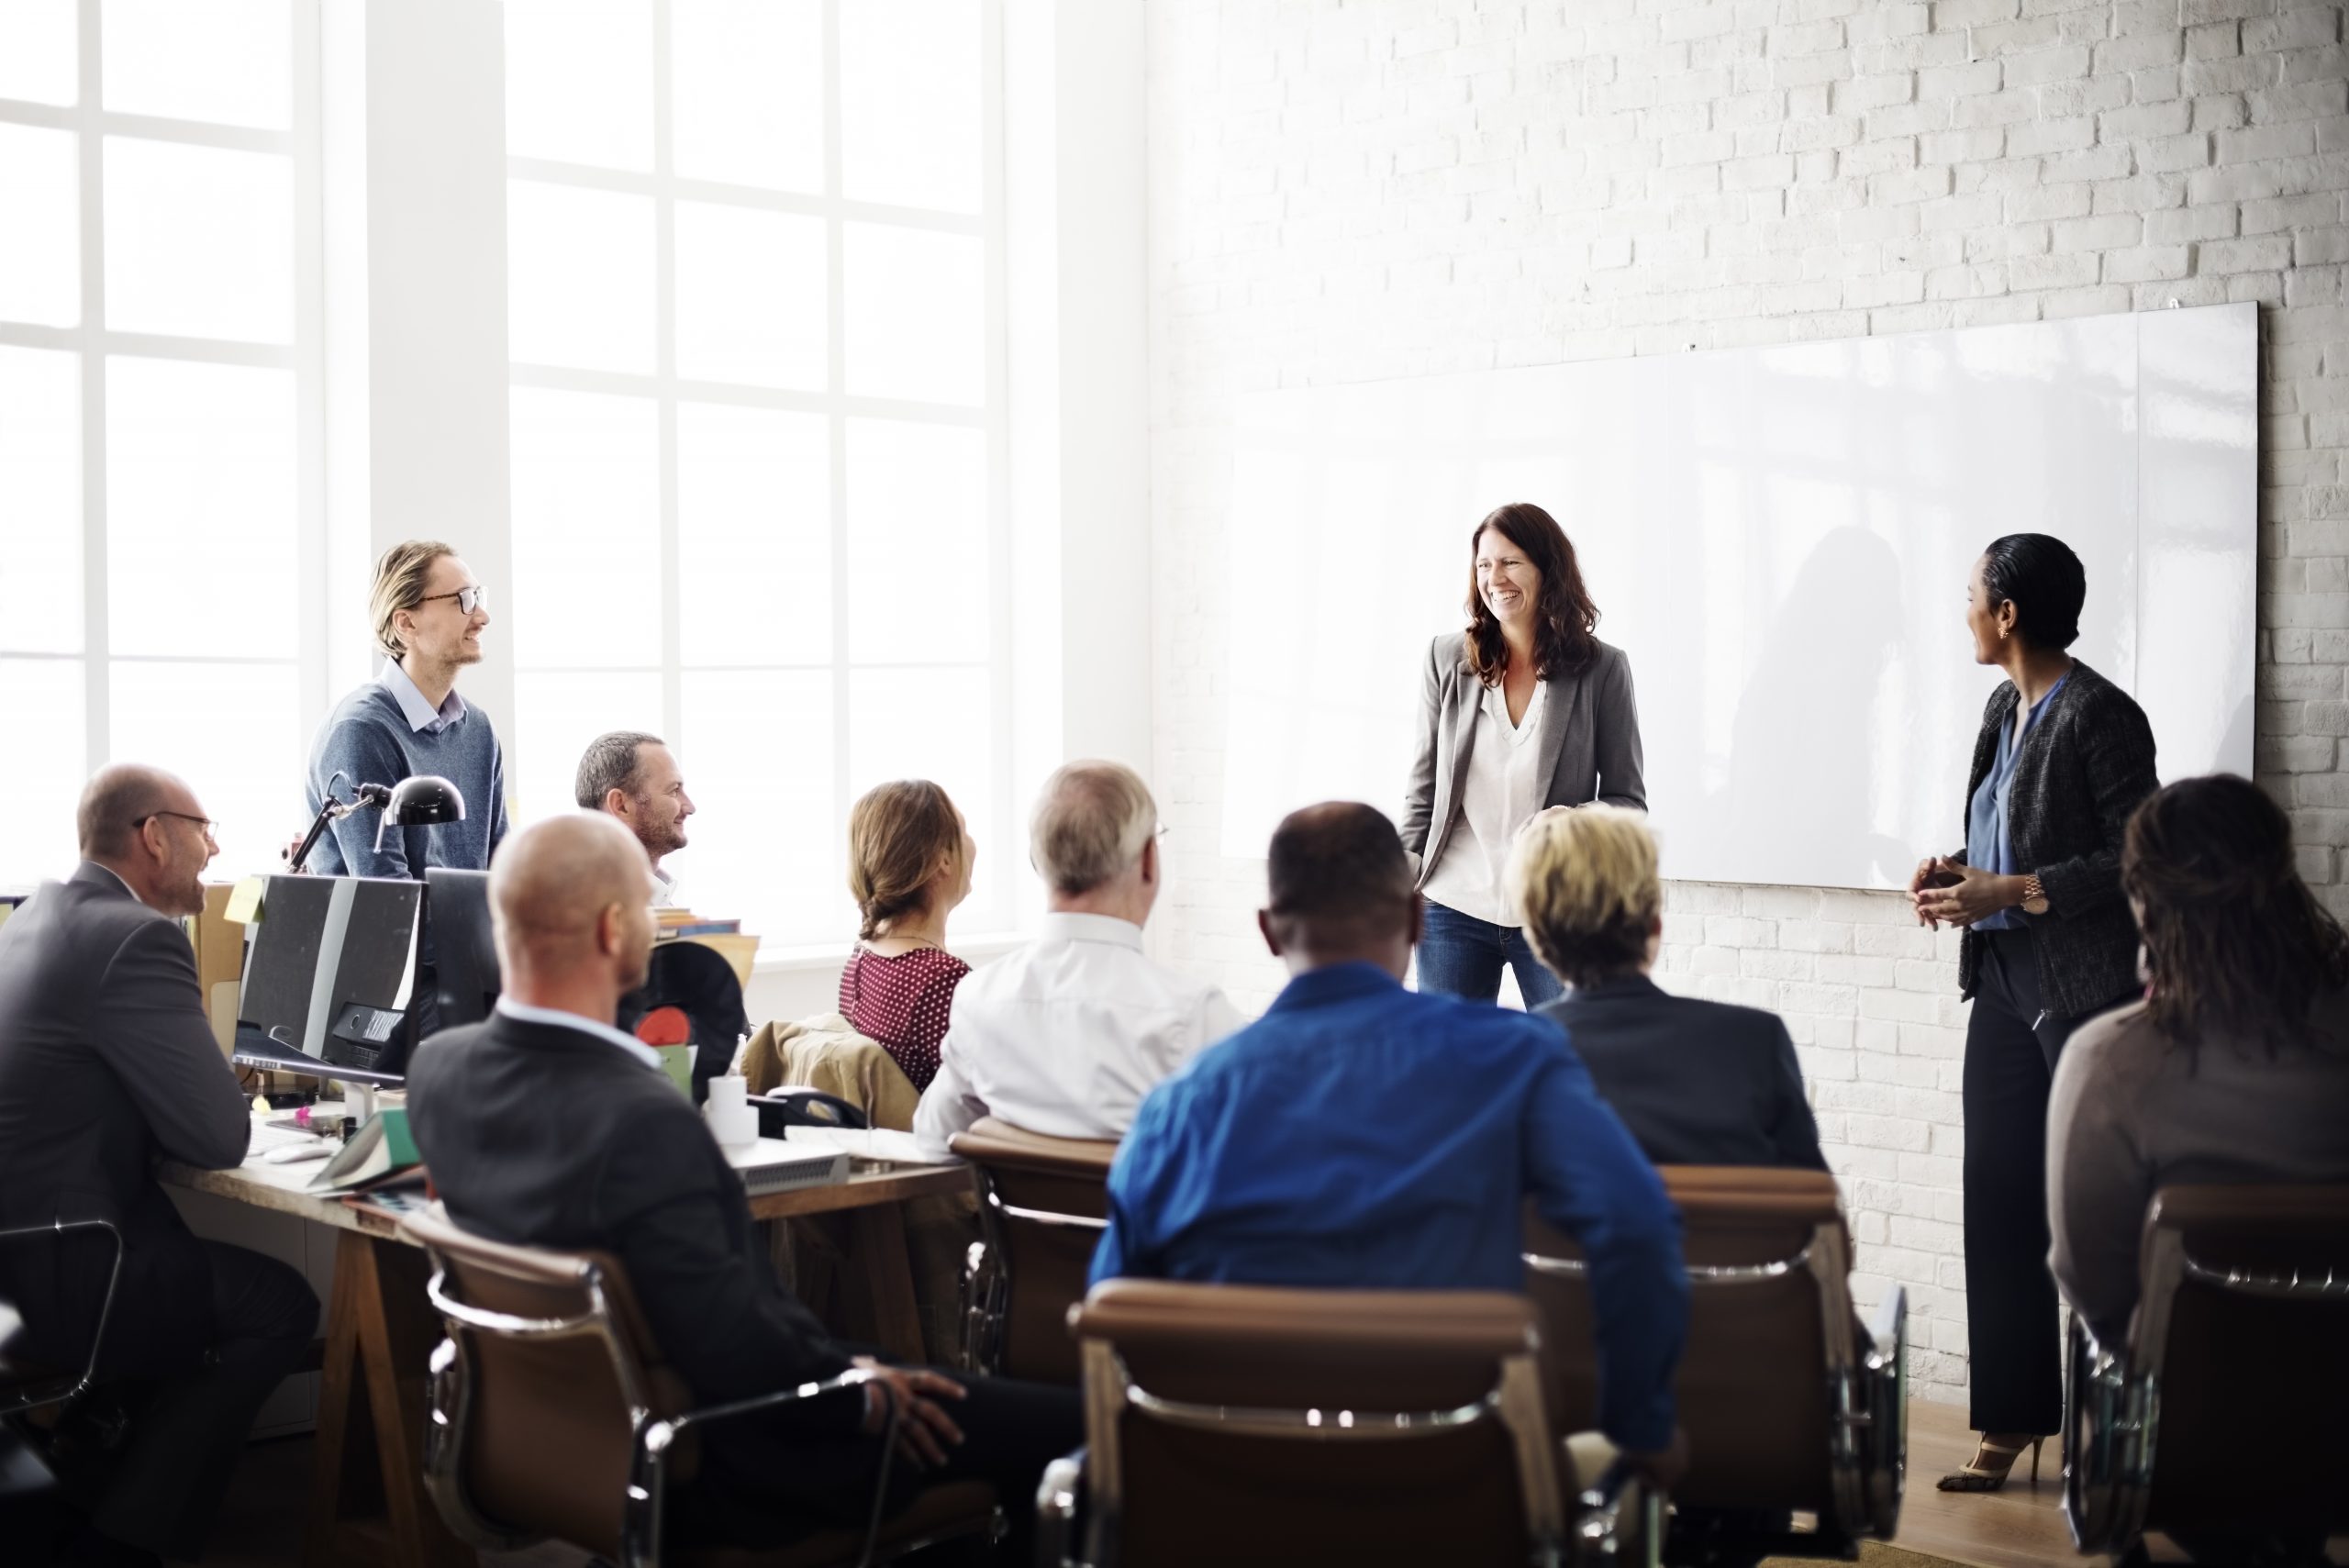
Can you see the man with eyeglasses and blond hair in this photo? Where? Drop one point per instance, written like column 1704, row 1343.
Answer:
column 107, row 1063
column 428, row 612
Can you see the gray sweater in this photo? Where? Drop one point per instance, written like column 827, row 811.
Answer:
column 2128, row 1115
column 370, row 741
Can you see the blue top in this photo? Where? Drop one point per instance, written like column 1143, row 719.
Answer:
column 1363, row 1135
column 384, row 732
column 1986, row 814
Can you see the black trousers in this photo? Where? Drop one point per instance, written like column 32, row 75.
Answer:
column 773, row 1486
column 2012, row 1043
column 165, row 1489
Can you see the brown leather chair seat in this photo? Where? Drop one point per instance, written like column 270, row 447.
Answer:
column 1234, row 1425
column 2222, row 1408
column 1787, row 1404
column 1044, row 1202
column 553, row 1414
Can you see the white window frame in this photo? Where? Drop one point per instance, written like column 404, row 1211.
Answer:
column 666, row 389
column 94, row 343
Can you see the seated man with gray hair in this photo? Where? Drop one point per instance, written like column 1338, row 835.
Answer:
column 633, row 777
column 1066, row 1035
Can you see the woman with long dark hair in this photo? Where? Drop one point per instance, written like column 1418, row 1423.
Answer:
column 2063, row 757
column 2233, row 1069
column 2236, row 1066
column 1523, row 711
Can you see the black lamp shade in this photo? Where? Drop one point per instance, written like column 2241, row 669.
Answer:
column 423, row 801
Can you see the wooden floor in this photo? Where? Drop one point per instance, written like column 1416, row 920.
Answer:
column 2021, row 1527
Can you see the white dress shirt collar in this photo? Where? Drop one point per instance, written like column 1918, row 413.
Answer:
column 1067, row 926
column 555, row 1018
column 420, row 715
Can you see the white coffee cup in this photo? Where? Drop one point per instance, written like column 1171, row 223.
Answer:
column 732, row 1120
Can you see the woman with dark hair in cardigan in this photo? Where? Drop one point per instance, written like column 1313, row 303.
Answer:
column 2064, row 756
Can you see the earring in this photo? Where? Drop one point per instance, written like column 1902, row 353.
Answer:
column 2002, row 633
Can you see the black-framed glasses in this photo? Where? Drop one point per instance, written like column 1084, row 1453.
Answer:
column 211, row 829
column 468, row 599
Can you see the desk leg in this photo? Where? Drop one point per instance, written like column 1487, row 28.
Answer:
column 878, row 1238
column 368, row 1501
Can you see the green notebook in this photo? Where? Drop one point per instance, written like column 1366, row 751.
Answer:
column 381, row 1150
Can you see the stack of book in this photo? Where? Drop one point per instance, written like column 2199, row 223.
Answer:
column 725, row 936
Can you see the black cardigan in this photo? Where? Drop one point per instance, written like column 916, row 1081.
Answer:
column 2084, row 767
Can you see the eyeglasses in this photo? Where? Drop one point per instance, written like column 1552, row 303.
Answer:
column 468, row 599
column 211, row 829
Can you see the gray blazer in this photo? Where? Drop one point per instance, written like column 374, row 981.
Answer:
column 1590, row 740
column 106, row 1063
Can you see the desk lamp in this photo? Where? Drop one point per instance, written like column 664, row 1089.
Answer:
column 423, row 801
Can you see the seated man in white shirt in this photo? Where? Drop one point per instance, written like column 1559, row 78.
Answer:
column 1066, row 1035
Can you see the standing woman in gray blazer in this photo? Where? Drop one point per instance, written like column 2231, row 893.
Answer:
column 1524, row 710
column 2064, row 756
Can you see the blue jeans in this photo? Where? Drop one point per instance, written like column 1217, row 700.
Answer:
column 1464, row 957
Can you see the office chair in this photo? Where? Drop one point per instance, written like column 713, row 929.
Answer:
column 2221, row 1408
column 552, row 1414
column 1788, row 1405
column 27, row 1385
column 1238, row 1425
column 1044, row 1202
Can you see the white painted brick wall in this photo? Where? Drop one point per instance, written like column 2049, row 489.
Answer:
column 1344, row 192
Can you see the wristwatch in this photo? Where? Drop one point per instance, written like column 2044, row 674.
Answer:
column 2035, row 897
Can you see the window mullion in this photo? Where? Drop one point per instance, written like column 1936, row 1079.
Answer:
column 664, row 219
column 836, row 380
column 97, row 711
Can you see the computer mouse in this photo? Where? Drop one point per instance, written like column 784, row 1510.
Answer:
column 294, row 1151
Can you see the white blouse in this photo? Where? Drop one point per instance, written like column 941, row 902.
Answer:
column 1499, row 798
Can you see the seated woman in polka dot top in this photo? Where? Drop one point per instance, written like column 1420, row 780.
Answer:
column 909, row 864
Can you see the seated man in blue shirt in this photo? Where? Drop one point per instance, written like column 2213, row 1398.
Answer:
column 1363, row 1135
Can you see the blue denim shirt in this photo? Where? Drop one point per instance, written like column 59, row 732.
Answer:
column 1363, row 1135
column 1986, row 840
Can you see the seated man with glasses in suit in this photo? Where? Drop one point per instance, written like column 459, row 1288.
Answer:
column 107, row 1063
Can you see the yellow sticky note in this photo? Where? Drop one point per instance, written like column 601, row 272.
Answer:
column 244, row 903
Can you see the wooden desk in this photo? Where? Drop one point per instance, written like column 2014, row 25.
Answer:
column 368, row 1503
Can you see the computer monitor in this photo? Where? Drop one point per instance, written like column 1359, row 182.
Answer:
column 456, row 918
column 330, row 976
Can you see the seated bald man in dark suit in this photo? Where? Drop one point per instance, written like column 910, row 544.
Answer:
column 107, row 1062
column 547, row 1126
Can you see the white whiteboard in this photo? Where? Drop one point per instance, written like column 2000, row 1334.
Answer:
column 1780, row 539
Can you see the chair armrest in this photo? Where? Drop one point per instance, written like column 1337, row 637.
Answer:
column 648, row 1478
column 1887, row 1322
column 1056, row 1505
column 712, row 1415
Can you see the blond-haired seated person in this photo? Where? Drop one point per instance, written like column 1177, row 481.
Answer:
column 1066, row 1035
column 1698, row 1083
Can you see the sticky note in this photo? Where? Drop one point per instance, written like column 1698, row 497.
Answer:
column 244, row 902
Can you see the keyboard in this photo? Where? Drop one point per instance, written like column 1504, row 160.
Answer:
column 267, row 1137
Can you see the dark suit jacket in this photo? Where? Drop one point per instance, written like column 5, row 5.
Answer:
column 107, row 1062
column 1698, row 1083
column 543, row 1136
column 1589, row 743
column 2084, row 767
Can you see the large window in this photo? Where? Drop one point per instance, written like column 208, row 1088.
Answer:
column 756, row 267
column 158, row 518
